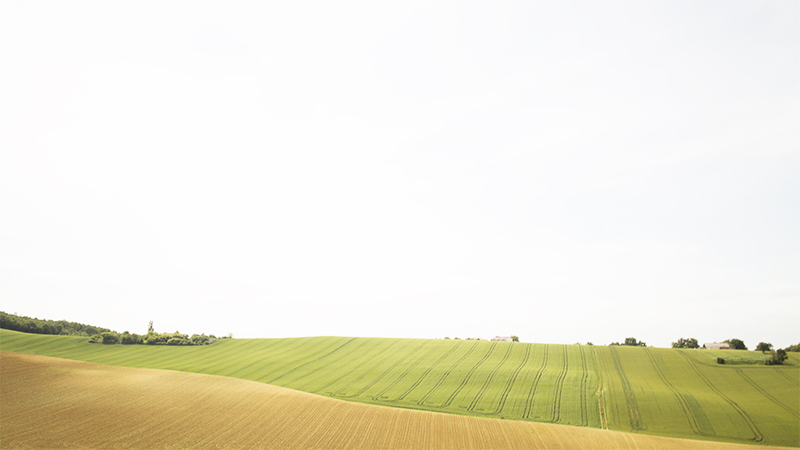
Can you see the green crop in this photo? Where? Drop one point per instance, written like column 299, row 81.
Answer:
column 668, row 392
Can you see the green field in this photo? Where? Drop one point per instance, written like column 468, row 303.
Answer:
column 668, row 392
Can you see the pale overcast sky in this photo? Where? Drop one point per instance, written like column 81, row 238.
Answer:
column 563, row 171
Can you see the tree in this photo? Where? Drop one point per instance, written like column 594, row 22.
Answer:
column 109, row 337
column 764, row 347
column 686, row 343
column 793, row 348
column 150, row 328
column 128, row 339
column 777, row 358
column 736, row 344
column 633, row 342
column 514, row 339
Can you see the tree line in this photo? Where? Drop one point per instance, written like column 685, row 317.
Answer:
column 99, row 335
column 777, row 358
column 631, row 342
column 58, row 327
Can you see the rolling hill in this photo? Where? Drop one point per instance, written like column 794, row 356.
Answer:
column 667, row 392
column 57, row 403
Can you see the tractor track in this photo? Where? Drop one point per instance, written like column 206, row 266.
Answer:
column 532, row 393
column 510, row 384
column 767, row 394
column 630, row 397
column 312, row 361
column 363, row 372
column 467, row 377
column 402, row 375
column 757, row 435
column 559, row 387
column 482, row 390
column 427, row 371
column 385, row 372
column 584, row 382
column 687, row 411
column 601, row 401
column 445, row 375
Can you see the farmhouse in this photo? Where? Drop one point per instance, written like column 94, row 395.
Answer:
column 503, row 338
column 717, row 346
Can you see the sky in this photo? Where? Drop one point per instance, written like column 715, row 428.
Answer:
column 561, row 171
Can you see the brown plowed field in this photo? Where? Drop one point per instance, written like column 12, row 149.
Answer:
column 58, row 403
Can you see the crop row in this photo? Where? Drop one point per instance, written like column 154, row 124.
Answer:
column 57, row 403
column 674, row 392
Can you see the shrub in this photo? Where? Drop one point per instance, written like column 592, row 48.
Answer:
column 777, row 358
column 129, row 339
column 109, row 337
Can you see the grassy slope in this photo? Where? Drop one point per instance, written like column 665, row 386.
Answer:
column 680, row 393
column 59, row 403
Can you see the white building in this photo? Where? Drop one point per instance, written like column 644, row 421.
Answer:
column 717, row 346
column 503, row 339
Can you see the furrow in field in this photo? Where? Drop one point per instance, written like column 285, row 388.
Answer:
column 426, row 372
column 630, row 398
column 559, row 388
column 687, row 411
column 322, row 369
column 767, row 394
column 757, row 436
column 780, row 372
column 380, row 377
column 501, row 403
column 532, row 393
column 387, row 354
column 274, row 362
column 482, row 390
column 584, row 387
column 601, row 401
column 266, row 362
column 301, row 366
column 465, row 381
column 57, row 403
column 400, row 378
column 446, row 374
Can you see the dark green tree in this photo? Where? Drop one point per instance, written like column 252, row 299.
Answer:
column 778, row 358
column 764, row 347
column 109, row 337
column 634, row 343
column 514, row 339
column 128, row 339
column 736, row 344
column 686, row 343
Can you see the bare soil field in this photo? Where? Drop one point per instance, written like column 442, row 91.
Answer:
column 57, row 403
